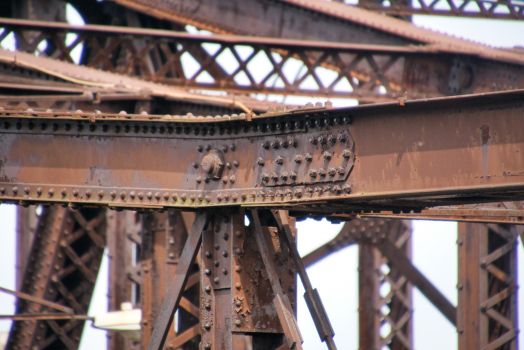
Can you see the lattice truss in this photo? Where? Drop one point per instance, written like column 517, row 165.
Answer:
column 392, row 302
column 242, row 68
column 487, row 286
column 63, row 266
column 511, row 10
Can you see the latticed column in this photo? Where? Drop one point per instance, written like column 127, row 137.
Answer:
column 385, row 319
column 487, row 287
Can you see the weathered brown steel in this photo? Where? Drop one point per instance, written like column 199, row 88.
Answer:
column 365, row 72
column 487, row 287
column 237, row 166
column 65, row 258
column 508, row 10
column 497, row 212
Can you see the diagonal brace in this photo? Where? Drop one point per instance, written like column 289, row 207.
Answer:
column 325, row 331
column 174, row 293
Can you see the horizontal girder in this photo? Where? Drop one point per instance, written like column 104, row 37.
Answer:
column 401, row 157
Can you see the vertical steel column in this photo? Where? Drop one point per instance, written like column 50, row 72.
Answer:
column 487, row 287
column 384, row 320
column 123, row 238
column 26, row 222
column 237, row 310
column 63, row 266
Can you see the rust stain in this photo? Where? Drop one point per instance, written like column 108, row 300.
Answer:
column 485, row 134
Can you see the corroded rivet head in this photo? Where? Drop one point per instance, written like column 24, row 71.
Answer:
column 207, row 306
column 238, row 323
column 27, row 190
column 123, row 195
column 279, row 160
column 207, row 346
column 207, row 254
column 216, row 280
column 51, row 191
column 132, row 194
column 207, row 326
column 238, row 251
column 261, row 161
column 238, row 268
column 238, row 285
column 208, row 289
column 38, row 190
column 238, row 303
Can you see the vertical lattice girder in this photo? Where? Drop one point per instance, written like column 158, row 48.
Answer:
column 376, row 311
column 487, row 287
column 63, row 266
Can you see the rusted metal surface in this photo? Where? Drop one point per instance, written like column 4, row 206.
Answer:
column 487, row 287
column 45, row 317
column 365, row 72
column 313, row 301
column 65, row 258
column 178, row 283
column 376, row 272
column 482, row 156
column 508, row 10
column 37, row 300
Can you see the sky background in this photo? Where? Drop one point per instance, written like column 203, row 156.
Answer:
column 434, row 243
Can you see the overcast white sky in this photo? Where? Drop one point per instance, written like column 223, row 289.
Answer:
column 434, row 248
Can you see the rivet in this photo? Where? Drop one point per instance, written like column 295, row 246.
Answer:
column 207, row 271
column 140, row 195
column 200, row 148
column 298, row 192
column 15, row 190
column 227, row 196
column 207, row 326
column 279, row 160
column 195, row 165
column 238, row 303
column 149, row 195
column 166, row 196
column 341, row 170
column 346, row 153
column 244, row 195
column 207, row 306
column 224, row 179
column 341, row 138
column 101, row 193
column 174, row 196
column 51, row 192
column 217, row 247
column 208, row 289
column 298, row 159
column 332, row 171
column 113, row 193
column 207, row 346
column 225, row 148
column 208, row 198
column 224, row 271
column 207, row 254
column 261, row 161
column 313, row 172
column 265, row 145
column 265, row 177
column 275, row 144
column 123, row 195
column 238, row 285
column 293, row 175
column 327, row 155
column 238, row 323
column 219, row 197
column 199, row 179
column 132, row 194
column 293, row 143
column 225, row 236
column 225, row 253
column 236, row 163
column 238, row 268
column 216, row 280
column 27, row 190
column 238, row 251
column 201, row 197
column 38, row 190
column 346, row 188
column 312, row 141
column 232, row 179
column 322, row 172
column 63, row 192
column 232, row 147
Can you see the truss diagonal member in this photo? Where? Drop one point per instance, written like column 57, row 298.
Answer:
column 281, row 301
column 315, row 306
column 178, row 283
column 38, row 300
column 341, row 241
column 397, row 258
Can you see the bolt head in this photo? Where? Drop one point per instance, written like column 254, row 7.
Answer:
column 238, row 323
column 284, row 175
column 332, row 171
column 265, row 177
column 293, row 175
column 298, row 159
column 313, row 172
column 261, row 161
column 279, row 160
column 346, row 153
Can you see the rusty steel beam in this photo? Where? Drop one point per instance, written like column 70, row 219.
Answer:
column 498, row 212
column 487, row 287
column 65, row 258
column 26, row 222
column 369, row 73
column 507, row 10
column 318, row 155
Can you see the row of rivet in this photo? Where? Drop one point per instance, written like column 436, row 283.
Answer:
column 280, row 194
